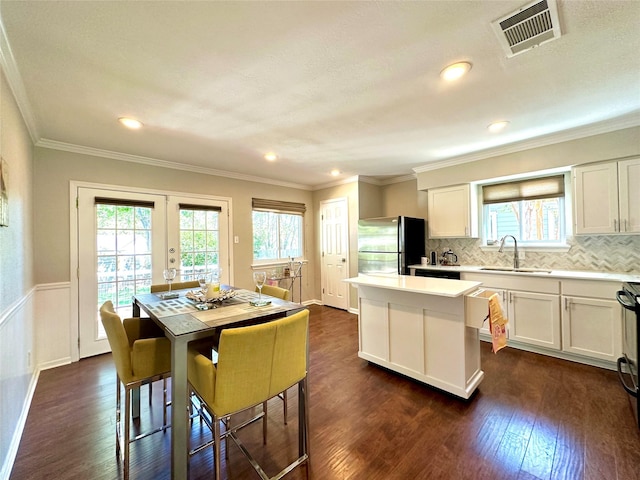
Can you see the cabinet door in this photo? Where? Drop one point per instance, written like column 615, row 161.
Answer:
column 449, row 212
column 628, row 181
column 535, row 318
column 592, row 327
column 596, row 198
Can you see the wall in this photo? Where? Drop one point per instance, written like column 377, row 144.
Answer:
column 348, row 190
column 55, row 169
column 606, row 146
column 401, row 199
column 609, row 253
column 16, row 280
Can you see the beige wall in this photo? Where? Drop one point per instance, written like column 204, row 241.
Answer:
column 17, row 331
column 16, row 255
column 55, row 169
column 369, row 200
column 350, row 192
column 403, row 198
column 606, row 146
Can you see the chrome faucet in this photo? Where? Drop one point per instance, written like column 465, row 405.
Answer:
column 516, row 260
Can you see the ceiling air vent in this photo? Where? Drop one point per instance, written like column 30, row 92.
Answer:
column 528, row 27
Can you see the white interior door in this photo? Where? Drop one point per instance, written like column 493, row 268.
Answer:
column 126, row 239
column 120, row 252
column 335, row 252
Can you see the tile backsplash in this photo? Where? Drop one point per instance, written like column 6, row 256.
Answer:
column 603, row 253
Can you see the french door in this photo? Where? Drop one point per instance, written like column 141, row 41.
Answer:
column 127, row 238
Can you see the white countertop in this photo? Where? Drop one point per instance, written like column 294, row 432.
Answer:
column 425, row 285
column 568, row 274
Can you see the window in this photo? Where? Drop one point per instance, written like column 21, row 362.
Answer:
column 199, row 239
column 531, row 210
column 277, row 230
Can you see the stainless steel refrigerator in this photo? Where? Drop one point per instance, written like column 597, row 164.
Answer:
column 390, row 244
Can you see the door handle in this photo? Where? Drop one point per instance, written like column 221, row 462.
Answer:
column 344, row 260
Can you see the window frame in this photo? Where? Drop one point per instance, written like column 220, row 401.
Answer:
column 278, row 209
column 566, row 217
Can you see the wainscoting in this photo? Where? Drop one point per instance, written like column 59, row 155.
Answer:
column 34, row 336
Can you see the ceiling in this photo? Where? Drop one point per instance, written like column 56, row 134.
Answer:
column 352, row 86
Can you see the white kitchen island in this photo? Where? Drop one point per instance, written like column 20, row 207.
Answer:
column 420, row 327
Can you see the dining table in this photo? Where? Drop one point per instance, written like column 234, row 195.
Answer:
column 184, row 320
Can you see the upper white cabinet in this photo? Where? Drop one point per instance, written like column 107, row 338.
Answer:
column 605, row 195
column 452, row 212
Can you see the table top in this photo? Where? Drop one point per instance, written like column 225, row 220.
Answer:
column 441, row 287
column 179, row 316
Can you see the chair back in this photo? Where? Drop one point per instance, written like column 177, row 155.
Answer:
column 257, row 362
column 277, row 292
column 163, row 287
column 118, row 341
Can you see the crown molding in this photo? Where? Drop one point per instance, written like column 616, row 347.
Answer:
column 337, row 183
column 14, row 79
column 125, row 157
column 619, row 123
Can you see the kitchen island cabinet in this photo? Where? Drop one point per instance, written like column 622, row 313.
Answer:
column 420, row 327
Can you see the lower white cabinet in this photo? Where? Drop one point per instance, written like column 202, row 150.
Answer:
column 591, row 319
column 531, row 305
column 535, row 319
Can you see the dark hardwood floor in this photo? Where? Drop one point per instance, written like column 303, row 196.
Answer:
column 533, row 417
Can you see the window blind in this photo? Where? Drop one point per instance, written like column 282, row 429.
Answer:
column 278, row 206
column 530, row 189
column 123, row 202
column 191, row 206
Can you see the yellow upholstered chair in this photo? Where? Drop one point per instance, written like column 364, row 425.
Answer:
column 255, row 363
column 142, row 354
column 277, row 292
column 283, row 294
column 163, row 287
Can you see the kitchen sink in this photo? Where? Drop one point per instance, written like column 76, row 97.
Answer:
column 519, row 270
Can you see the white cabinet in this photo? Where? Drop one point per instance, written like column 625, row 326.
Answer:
column 535, row 318
column 531, row 305
column 419, row 335
column 452, row 212
column 606, row 197
column 591, row 319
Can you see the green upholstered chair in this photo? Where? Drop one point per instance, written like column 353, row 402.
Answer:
column 163, row 287
column 283, row 294
column 142, row 354
column 255, row 364
column 277, row 292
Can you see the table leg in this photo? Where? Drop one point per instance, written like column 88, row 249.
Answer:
column 135, row 403
column 179, row 410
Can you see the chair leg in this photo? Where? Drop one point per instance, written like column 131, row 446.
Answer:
column 216, row 447
column 284, row 408
column 127, row 433
column 164, row 401
column 264, row 423
column 118, row 416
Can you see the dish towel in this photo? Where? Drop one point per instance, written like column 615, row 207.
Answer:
column 497, row 323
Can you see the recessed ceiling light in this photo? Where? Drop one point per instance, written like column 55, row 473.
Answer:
column 496, row 127
column 335, row 172
column 130, row 123
column 455, row 71
column 270, row 156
